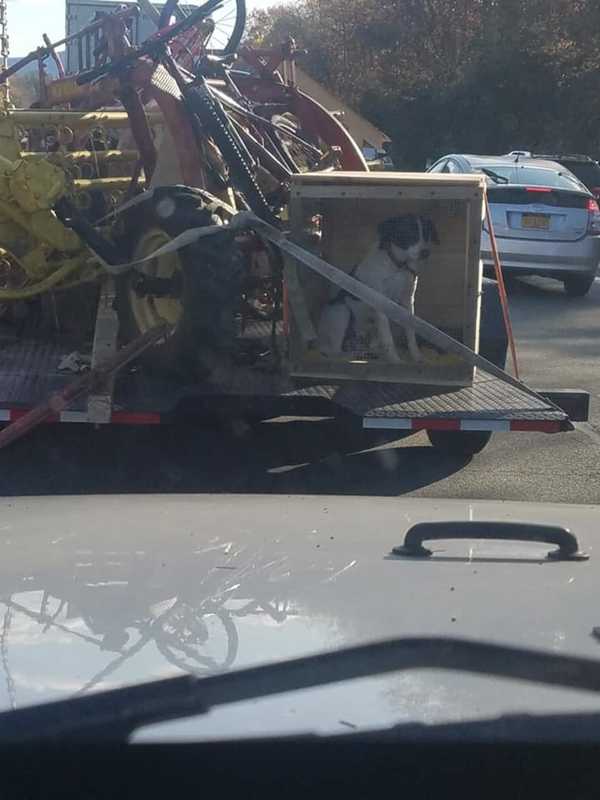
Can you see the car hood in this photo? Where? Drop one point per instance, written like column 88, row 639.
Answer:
column 99, row 592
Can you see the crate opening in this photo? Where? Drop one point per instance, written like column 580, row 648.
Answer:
column 342, row 231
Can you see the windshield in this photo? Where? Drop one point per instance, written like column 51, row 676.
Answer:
column 280, row 283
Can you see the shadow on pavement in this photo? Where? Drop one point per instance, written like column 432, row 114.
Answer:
column 549, row 289
column 295, row 457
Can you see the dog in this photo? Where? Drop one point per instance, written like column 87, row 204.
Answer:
column 391, row 267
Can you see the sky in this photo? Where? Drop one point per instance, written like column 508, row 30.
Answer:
column 29, row 19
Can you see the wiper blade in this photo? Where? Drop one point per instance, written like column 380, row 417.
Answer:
column 494, row 175
column 115, row 714
column 579, row 727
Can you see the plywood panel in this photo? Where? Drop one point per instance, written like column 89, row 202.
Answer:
column 449, row 282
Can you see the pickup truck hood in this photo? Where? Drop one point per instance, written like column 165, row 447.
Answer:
column 98, row 592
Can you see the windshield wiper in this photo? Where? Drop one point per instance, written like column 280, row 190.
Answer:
column 115, row 714
column 494, row 175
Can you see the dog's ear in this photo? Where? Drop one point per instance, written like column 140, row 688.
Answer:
column 430, row 233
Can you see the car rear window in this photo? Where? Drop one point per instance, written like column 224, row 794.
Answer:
column 588, row 172
column 511, row 194
column 535, row 176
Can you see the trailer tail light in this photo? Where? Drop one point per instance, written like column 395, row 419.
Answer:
column 593, row 217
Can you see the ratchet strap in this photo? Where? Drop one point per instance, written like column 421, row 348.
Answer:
column 501, row 287
column 245, row 220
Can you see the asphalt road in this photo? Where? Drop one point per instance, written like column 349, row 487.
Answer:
column 559, row 347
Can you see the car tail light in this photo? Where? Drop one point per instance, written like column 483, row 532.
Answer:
column 593, row 217
column 596, row 192
column 544, row 189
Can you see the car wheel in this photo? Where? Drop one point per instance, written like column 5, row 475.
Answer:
column 459, row 443
column 578, row 285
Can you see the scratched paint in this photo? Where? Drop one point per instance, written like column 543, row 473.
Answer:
column 341, row 571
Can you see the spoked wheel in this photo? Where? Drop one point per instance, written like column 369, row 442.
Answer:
column 229, row 22
column 198, row 640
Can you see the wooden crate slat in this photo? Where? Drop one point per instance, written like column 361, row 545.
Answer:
column 370, row 179
column 387, row 192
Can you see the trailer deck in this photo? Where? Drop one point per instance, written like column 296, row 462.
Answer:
column 29, row 373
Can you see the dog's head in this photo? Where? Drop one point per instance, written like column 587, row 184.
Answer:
column 409, row 237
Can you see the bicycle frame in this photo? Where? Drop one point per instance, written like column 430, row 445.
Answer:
column 255, row 132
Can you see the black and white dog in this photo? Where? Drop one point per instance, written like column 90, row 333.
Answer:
column 392, row 268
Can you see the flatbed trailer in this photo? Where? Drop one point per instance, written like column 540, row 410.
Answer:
column 458, row 419
column 29, row 373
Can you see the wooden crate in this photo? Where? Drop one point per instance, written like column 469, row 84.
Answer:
column 336, row 214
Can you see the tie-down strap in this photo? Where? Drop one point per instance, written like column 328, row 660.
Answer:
column 245, row 220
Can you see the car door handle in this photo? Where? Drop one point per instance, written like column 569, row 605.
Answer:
column 567, row 545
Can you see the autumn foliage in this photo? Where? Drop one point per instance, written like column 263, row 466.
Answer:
column 442, row 76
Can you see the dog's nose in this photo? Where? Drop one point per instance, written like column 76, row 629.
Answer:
column 424, row 254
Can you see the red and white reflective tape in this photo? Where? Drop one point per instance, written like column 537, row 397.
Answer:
column 499, row 425
column 380, row 423
column 117, row 417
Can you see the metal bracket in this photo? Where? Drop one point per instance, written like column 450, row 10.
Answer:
column 574, row 402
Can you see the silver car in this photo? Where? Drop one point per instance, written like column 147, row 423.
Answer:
column 546, row 221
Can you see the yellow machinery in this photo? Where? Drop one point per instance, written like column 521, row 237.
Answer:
column 37, row 252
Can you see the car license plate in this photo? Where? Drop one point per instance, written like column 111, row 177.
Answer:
column 538, row 221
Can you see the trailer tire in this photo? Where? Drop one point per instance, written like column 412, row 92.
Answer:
column 209, row 281
column 459, row 443
column 578, row 285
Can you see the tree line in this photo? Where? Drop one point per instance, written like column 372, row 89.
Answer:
column 439, row 76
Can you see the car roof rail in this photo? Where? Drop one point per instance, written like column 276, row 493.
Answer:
column 566, row 157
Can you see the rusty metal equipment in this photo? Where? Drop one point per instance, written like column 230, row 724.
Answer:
column 72, row 166
column 101, row 157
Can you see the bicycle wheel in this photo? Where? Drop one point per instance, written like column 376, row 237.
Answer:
column 197, row 640
column 229, row 21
